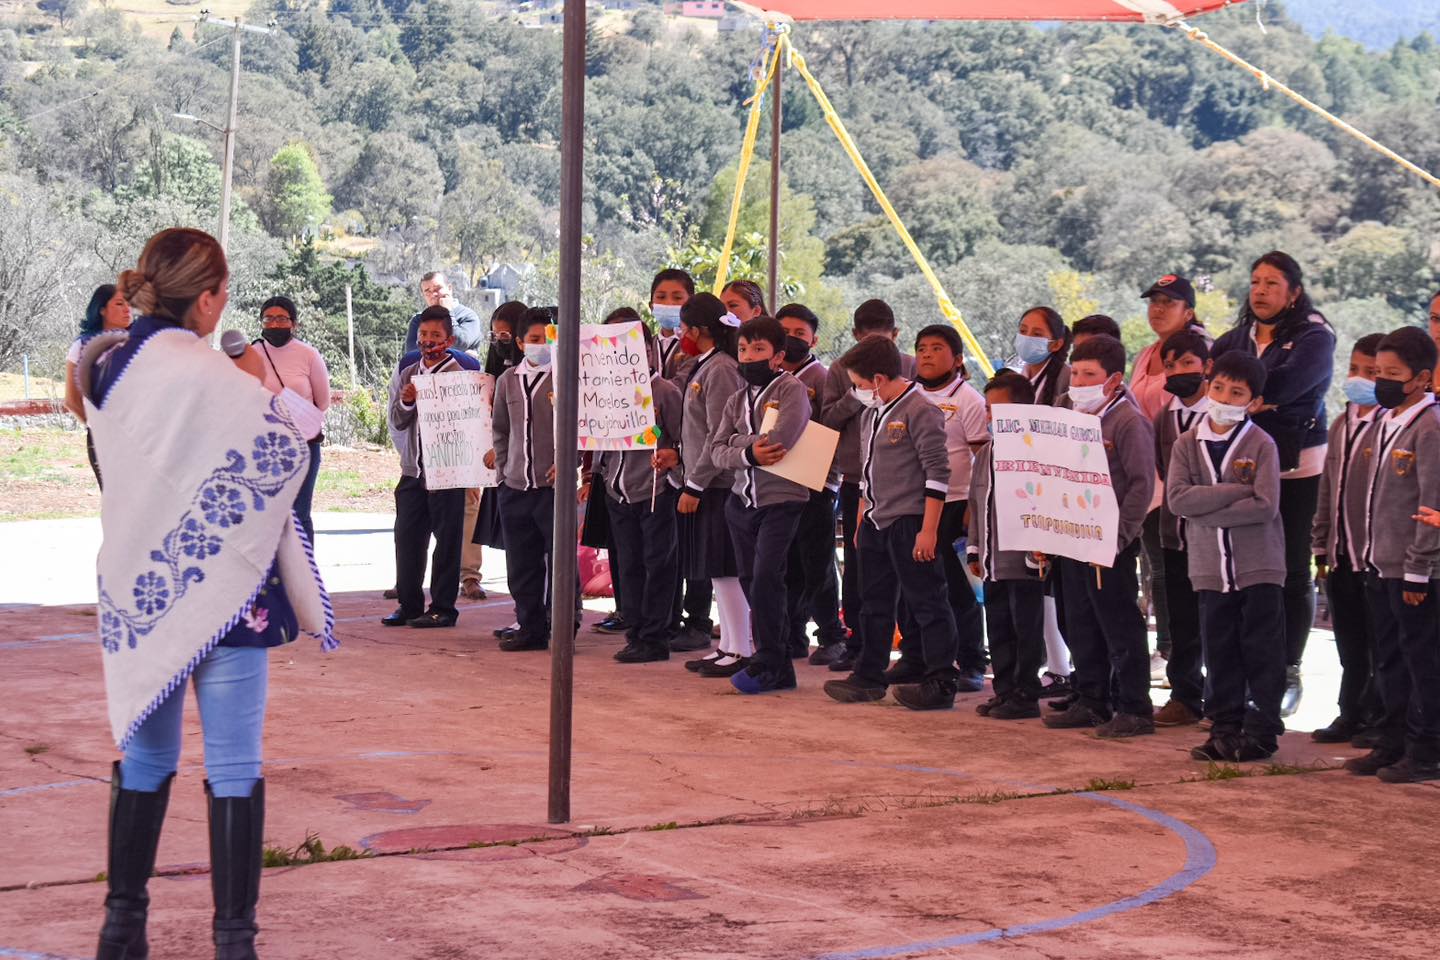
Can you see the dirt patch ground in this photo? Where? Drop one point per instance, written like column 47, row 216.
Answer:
column 44, row 474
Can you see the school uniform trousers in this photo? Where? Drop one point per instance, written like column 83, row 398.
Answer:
column 1183, row 668
column 761, row 537
column 852, row 601
column 1105, row 631
column 528, row 518
column 419, row 514
column 891, row 574
column 965, row 610
column 1015, row 622
column 1244, row 633
column 812, row 588
column 1407, row 667
column 1354, row 642
column 650, row 571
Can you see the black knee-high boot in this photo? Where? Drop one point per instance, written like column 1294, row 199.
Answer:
column 237, row 825
column 135, row 821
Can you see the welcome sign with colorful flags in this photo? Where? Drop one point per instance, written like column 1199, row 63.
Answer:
column 617, row 405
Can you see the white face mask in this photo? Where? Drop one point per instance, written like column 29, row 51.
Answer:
column 1226, row 414
column 537, row 354
column 866, row 397
column 1087, row 399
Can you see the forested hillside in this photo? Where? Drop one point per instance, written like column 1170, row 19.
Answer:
column 379, row 138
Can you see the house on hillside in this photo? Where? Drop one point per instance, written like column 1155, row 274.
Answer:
column 506, row 278
column 705, row 9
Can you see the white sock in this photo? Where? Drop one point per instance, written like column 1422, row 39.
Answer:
column 1057, row 655
column 734, row 617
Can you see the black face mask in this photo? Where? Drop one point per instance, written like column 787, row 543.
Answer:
column 1390, row 393
column 1184, row 384
column 277, row 336
column 758, row 373
column 932, row 383
column 795, row 349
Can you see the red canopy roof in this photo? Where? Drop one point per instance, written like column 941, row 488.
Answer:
column 1120, row 10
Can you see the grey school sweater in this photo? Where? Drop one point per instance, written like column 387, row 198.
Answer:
column 404, row 429
column 1338, row 532
column 1130, row 449
column 735, row 433
column 1169, row 424
column 1402, row 473
column 628, row 474
column 812, row 375
column 904, row 460
column 1235, row 539
column 523, row 424
column 981, row 544
column 840, row 410
column 710, row 384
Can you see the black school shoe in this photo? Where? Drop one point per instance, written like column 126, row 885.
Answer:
column 640, row 653
column 1014, row 708
column 854, row 690
column 1373, row 762
column 905, row 671
column 611, row 624
column 1340, row 730
column 827, row 654
column 720, row 670
column 1409, row 770
column 1247, row 749
column 689, row 639
column 1073, row 717
column 1055, row 686
column 936, row 693
column 845, row 662
column 1369, row 738
column 431, row 620
column 519, row 644
column 397, row 619
column 1214, row 750
column 694, row 665
column 983, row 709
column 1124, row 725
column 1063, row 703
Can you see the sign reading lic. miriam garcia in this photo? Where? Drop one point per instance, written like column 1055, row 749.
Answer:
column 1052, row 483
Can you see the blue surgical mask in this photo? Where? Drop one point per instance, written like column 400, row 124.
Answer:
column 1360, row 391
column 537, row 354
column 667, row 315
column 1032, row 349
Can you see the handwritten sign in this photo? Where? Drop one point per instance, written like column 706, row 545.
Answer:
column 1052, row 483
column 454, row 412
column 617, row 406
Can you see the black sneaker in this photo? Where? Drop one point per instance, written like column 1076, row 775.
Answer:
column 611, row 624
column 398, row 619
column 1215, row 750
column 519, row 644
column 726, row 666
column 431, row 620
column 984, row 708
column 640, row 653
column 1340, row 730
column 1373, row 762
column 694, row 665
column 754, row 681
column 505, row 633
column 1124, row 725
column 905, row 671
column 688, row 640
column 970, row 681
column 936, row 693
column 1014, row 708
column 1054, row 686
column 1409, row 770
column 1073, row 717
column 827, row 654
column 852, row 690
column 844, row 663
column 1247, row 749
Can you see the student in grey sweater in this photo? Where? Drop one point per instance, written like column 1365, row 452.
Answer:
column 1103, row 623
column 842, row 410
column 1224, row 480
column 1338, row 541
column 1401, row 456
column 764, row 509
column 812, row 583
column 1014, row 592
column 641, row 509
column 523, row 423
column 905, row 470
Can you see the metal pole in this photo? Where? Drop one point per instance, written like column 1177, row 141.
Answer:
column 567, row 410
column 350, row 330
column 775, row 117
column 228, row 168
column 25, row 361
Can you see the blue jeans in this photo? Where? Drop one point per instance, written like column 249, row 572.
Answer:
column 230, row 686
column 306, row 496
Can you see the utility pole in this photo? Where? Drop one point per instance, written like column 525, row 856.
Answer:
column 350, row 332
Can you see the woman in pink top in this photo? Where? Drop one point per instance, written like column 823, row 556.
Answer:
column 291, row 364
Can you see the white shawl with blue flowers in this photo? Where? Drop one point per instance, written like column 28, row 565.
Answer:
column 202, row 465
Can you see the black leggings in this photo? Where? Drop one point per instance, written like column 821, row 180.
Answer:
column 1298, row 500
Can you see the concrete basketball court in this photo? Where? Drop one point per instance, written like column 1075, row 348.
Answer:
column 707, row 824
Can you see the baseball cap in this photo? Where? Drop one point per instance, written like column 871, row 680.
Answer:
column 1173, row 286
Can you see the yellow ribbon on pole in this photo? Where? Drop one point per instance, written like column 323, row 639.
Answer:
column 747, row 154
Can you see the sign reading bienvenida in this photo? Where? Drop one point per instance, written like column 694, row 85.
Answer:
column 1052, row 483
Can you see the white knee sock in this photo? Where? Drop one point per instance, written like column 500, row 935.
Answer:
column 1057, row 655
column 734, row 617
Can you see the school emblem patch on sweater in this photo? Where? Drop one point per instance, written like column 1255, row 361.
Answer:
column 1244, row 471
column 1403, row 461
column 895, row 432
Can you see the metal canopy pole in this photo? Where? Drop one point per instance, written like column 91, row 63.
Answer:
column 775, row 117
column 567, row 411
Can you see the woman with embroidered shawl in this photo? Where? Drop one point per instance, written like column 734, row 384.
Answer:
column 200, row 571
